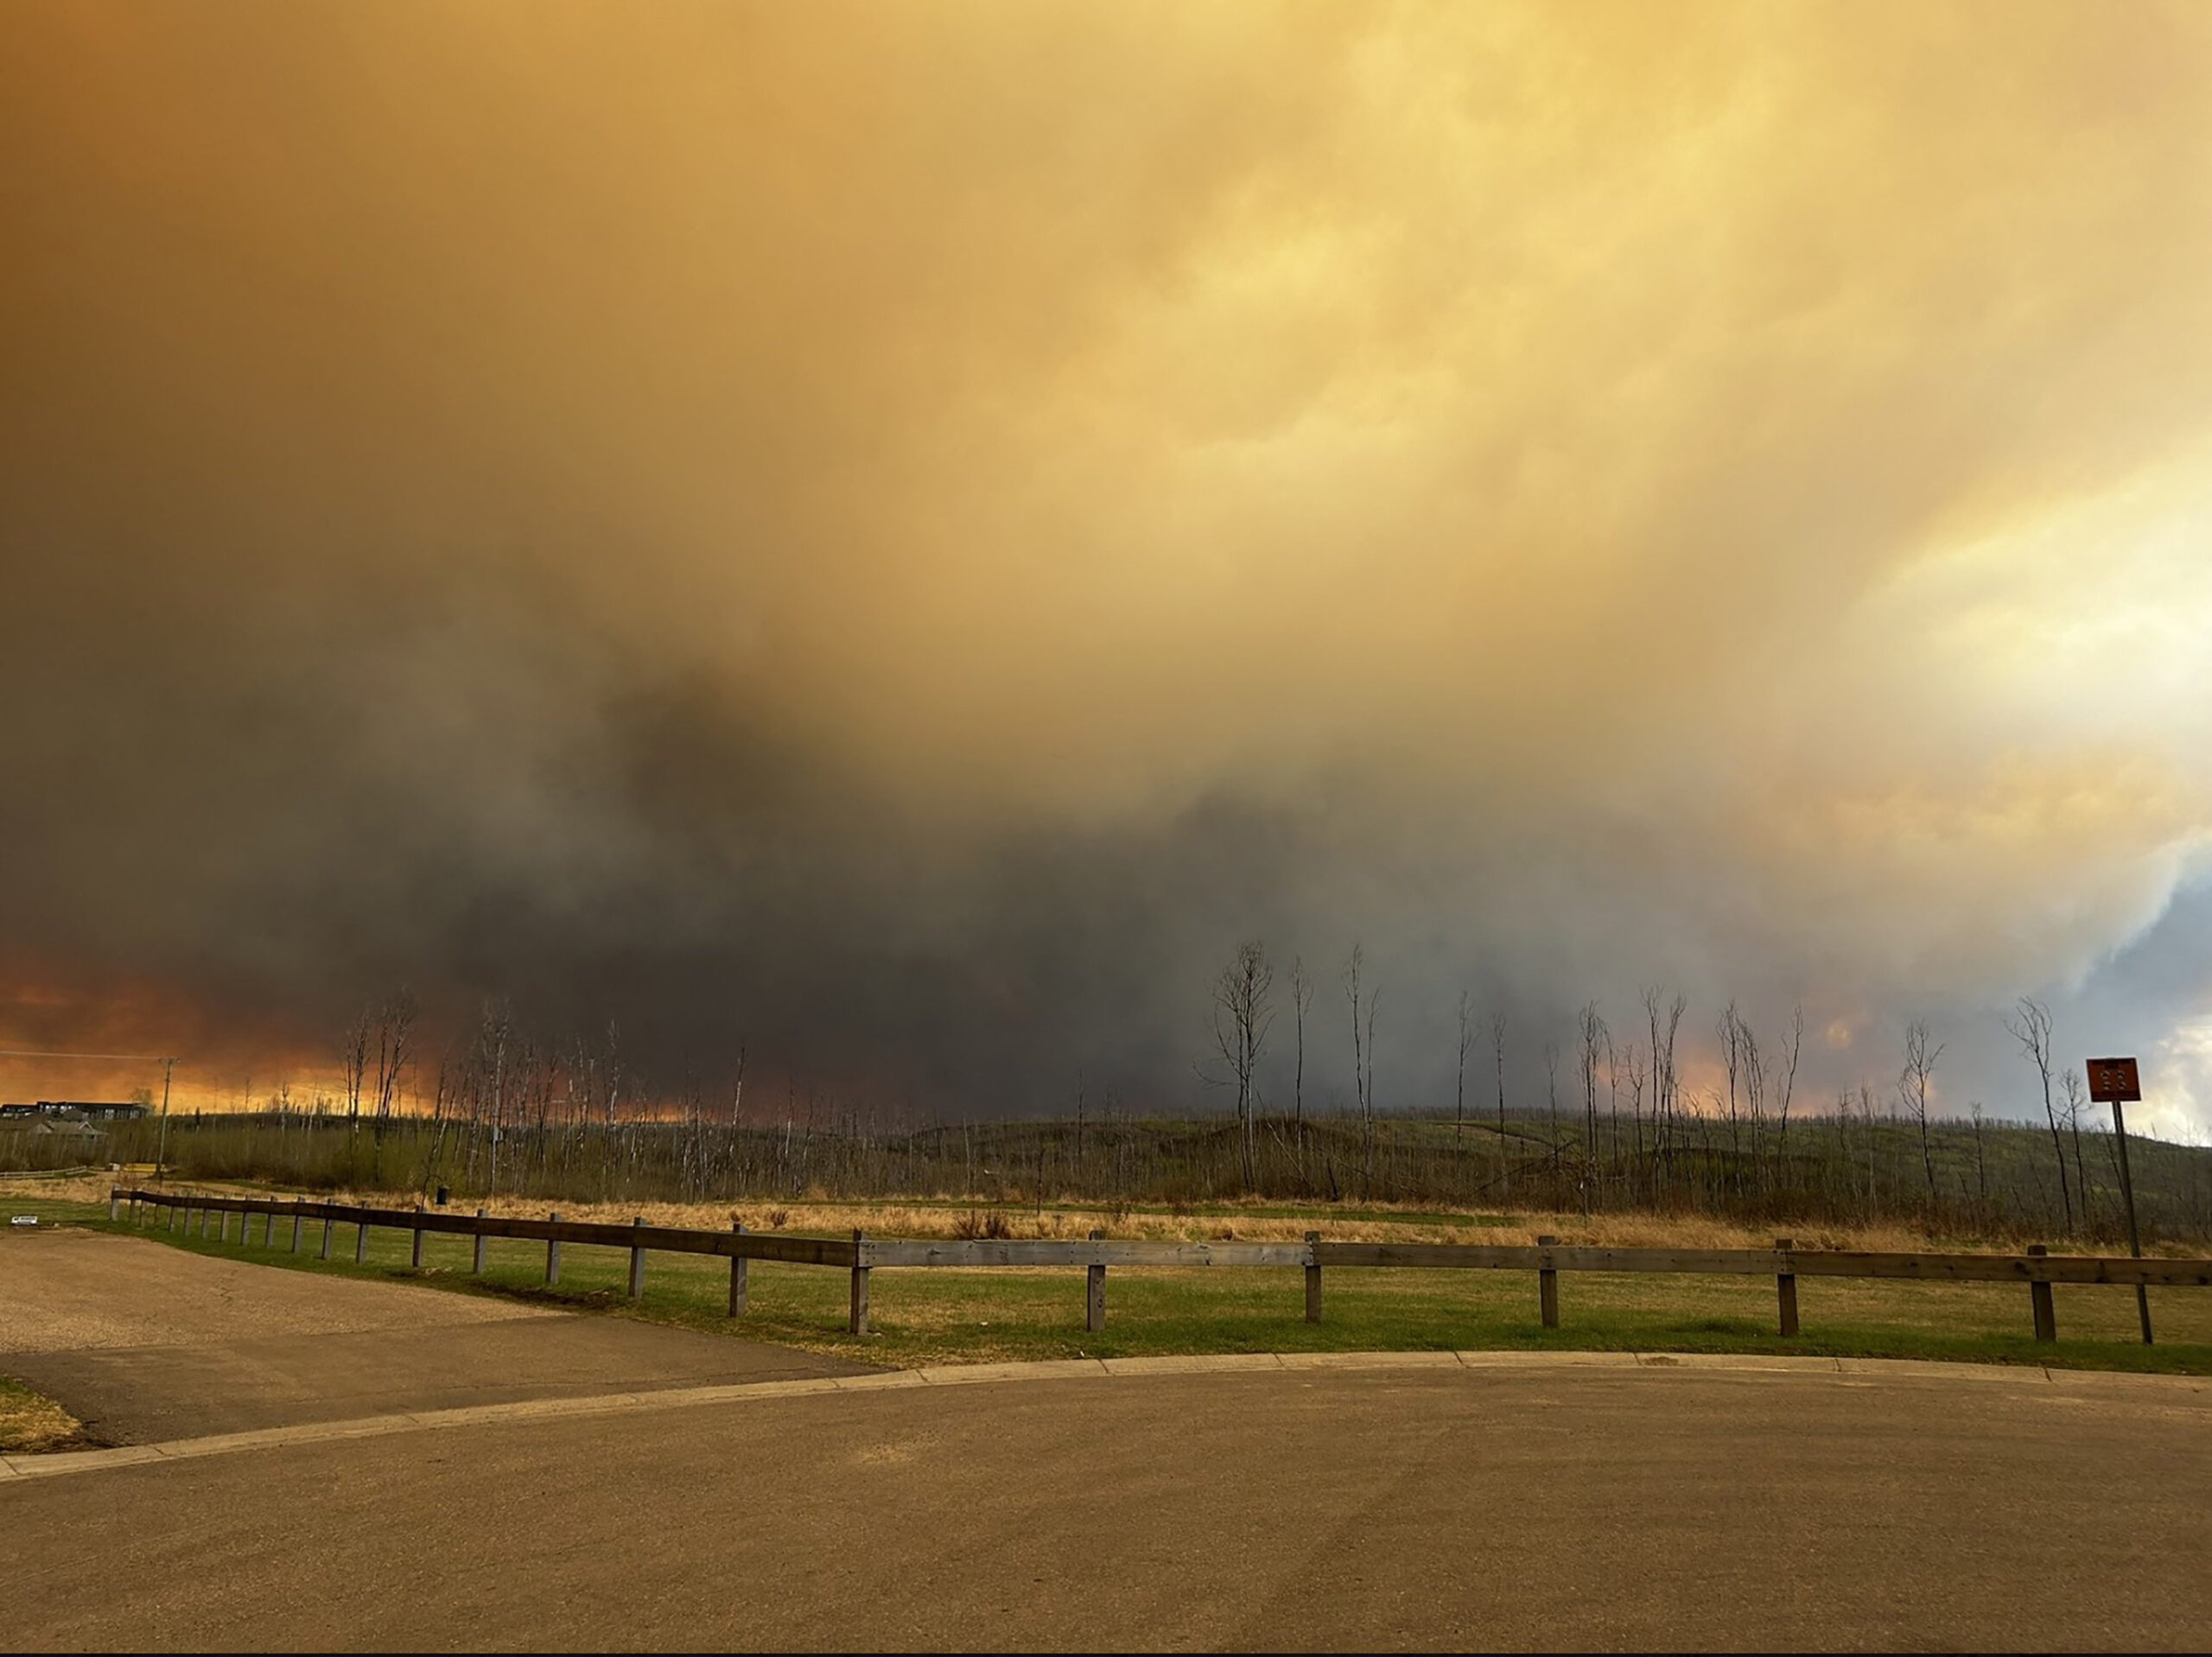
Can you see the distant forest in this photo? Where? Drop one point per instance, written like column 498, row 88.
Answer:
column 1617, row 1133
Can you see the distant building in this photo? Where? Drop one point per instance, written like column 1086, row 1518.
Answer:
column 74, row 1110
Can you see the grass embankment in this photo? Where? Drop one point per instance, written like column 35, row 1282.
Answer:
column 944, row 1316
column 28, row 1422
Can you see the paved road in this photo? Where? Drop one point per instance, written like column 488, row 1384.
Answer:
column 1423, row 1506
column 140, row 1342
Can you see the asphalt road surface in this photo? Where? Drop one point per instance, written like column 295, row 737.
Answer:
column 141, row 1343
column 1439, row 1503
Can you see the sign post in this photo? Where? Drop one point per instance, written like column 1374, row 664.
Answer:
column 2114, row 1082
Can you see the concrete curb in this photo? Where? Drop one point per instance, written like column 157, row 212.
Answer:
column 1748, row 1365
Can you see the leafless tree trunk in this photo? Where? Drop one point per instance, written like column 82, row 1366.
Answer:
column 394, row 1023
column 1594, row 1037
column 2076, row 1097
column 498, row 1030
column 1242, row 1016
column 1363, row 1055
column 1497, row 1053
column 354, row 1057
column 1913, row 1084
column 1459, row 1085
column 1664, row 1081
column 1788, row 1088
column 2031, row 1029
column 1551, row 1094
column 1980, row 1163
column 1866, row 1110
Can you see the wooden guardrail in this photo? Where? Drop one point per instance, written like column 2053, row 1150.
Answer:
column 860, row 1254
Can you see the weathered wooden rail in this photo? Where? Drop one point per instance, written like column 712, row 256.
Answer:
column 860, row 1254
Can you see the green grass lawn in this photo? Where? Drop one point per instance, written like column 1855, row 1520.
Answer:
column 933, row 1316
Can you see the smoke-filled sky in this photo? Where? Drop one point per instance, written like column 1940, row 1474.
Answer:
column 897, row 535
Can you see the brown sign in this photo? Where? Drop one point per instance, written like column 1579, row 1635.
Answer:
column 2115, row 1078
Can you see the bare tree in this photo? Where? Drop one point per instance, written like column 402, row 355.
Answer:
column 353, row 1060
column 1913, row 1084
column 2031, row 1029
column 1866, row 1110
column 1301, row 1003
column 1786, row 1084
column 2075, row 1096
column 1242, row 1016
column 1459, row 1085
column 1980, row 1161
column 1551, row 1096
column 395, row 1022
column 495, row 1035
column 1664, row 1080
column 1497, row 1052
column 1594, row 1039
column 1363, row 1054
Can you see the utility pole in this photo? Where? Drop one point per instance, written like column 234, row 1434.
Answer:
column 161, row 1144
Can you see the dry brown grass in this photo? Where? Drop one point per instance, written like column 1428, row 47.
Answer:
column 1372, row 1224
column 68, row 1188
column 30, row 1423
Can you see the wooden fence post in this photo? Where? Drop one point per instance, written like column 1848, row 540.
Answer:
column 328, row 1221
column 476, row 1263
column 169, row 1215
column 1547, row 1286
column 553, row 1251
column 637, row 1263
column 2039, row 1298
column 114, row 1204
column 737, row 1275
column 1093, row 1299
column 1312, row 1277
column 415, row 1255
column 296, row 1225
column 857, row 1324
column 361, row 1235
column 1785, row 1286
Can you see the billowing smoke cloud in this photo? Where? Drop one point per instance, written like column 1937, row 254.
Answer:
column 896, row 537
